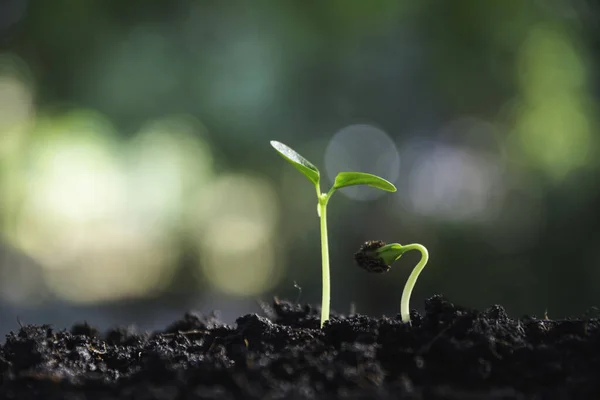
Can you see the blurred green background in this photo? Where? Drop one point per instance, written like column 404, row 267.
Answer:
column 137, row 180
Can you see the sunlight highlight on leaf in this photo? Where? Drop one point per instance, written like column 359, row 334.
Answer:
column 299, row 162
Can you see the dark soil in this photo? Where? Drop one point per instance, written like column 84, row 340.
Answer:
column 448, row 353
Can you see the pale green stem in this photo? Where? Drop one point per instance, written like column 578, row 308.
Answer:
column 326, row 280
column 326, row 299
column 412, row 279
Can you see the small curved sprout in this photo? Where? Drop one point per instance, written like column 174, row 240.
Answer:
column 343, row 179
column 376, row 256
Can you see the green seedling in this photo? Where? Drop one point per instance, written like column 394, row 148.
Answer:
column 343, row 179
column 376, row 256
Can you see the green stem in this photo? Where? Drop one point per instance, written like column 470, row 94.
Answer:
column 326, row 299
column 412, row 279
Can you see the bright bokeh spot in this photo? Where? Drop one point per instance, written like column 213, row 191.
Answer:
column 119, row 263
column 458, row 177
column 362, row 148
column 556, row 134
column 73, row 169
column 549, row 62
column 554, row 124
column 453, row 184
column 167, row 161
column 236, row 239
column 100, row 221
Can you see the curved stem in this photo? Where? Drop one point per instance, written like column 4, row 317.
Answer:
column 412, row 279
column 326, row 299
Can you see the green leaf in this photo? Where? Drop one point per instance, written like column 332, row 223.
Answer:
column 301, row 163
column 344, row 179
column 390, row 252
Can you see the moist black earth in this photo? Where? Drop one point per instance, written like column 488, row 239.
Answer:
column 449, row 352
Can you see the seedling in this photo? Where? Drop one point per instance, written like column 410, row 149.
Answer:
column 343, row 179
column 376, row 256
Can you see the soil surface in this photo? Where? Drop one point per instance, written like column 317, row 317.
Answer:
column 448, row 353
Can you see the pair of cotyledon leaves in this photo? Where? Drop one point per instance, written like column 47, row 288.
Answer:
column 343, row 179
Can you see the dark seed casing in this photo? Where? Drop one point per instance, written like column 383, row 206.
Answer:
column 367, row 258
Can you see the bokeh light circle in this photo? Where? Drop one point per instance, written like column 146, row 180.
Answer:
column 362, row 148
column 236, row 240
